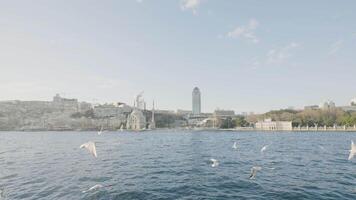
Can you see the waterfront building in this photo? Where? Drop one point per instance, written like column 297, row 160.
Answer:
column 136, row 120
column 196, row 101
column 327, row 105
column 269, row 125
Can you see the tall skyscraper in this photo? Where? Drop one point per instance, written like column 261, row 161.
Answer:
column 196, row 101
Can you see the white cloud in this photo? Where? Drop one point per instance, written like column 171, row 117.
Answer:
column 190, row 5
column 246, row 32
column 139, row 1
column 335, row 47
column 280, row 55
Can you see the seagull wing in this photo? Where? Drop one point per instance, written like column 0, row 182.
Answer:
column 352, row 151
column 235, row 145
column 90, row 146
column 92, row 149
column 93, row 188
column 253, row 173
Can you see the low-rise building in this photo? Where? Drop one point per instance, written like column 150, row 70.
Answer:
column 327, row 105
column 269, row 125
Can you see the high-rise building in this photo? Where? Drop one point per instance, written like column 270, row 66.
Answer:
column 196, row 101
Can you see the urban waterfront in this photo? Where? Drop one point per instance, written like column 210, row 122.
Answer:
column 172, row 164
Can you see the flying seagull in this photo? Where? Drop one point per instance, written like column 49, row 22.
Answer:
column 254, row 172
column 215, row 162
column 352, row 150
column 90, row 146
column 264, row 148
column 235, row 145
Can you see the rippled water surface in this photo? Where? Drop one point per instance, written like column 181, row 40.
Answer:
column 175, row 165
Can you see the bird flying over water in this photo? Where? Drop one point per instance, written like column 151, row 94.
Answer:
column 235, row 145
column 215, row 162
column 352, row 150
column 264, row 148
column 254, row 172
column 90, row 146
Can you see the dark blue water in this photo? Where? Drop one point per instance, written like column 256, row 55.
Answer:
column 175, row 165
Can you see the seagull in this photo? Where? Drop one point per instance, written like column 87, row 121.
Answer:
column 101, row 131
column 95, row 187
column 254, row 172
column 215, row 162
column 235, row 145
column 264, row 148
column 352, row 150
column 90, row 146
column 322, row 148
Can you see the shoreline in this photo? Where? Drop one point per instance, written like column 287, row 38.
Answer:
column 295, row 130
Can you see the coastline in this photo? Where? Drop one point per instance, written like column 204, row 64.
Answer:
column 238, row 129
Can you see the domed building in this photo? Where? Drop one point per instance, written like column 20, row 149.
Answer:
column 136, row 121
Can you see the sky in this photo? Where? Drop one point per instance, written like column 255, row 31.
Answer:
column 249, row 56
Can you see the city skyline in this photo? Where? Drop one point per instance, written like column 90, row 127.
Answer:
column 251, row 56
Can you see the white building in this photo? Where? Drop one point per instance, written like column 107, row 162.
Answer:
column 269, row 125
column 136, row 121
column 196, row 101
column 327, row 105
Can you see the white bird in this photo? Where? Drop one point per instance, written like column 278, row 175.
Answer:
column 215, row 162
column 101, row 131
column 352, row 150
column 90, row 146
column 264, row 148
column 235, row 145
column 254, row 172
column 95, row 187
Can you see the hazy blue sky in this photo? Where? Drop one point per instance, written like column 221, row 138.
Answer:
column 244, row 55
